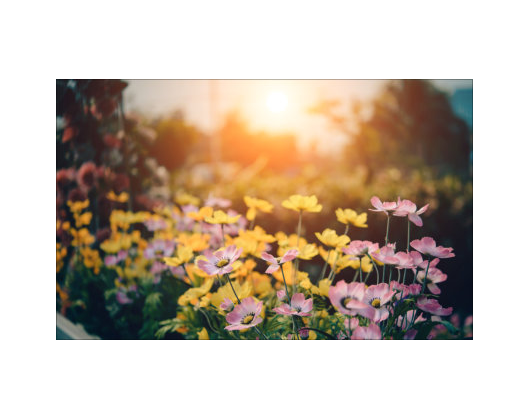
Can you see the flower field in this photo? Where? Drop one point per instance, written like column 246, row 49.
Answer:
column 318, row 251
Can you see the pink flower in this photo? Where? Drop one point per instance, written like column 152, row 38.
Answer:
column 427, row 246
column 281, row 295
column 155, row 224
column 404, row 322
column 159, row 248
column 384, row 207
column 299, row 306
column 408, row 260
column 220, row 262
column 432, row 306
column 226, row 305
column 408, row 208
column 433, row 276
column 386, row 255
column 348, row 297
column 372, row 332
column 376, row 297
column 276, row 262
column 122, row 298
column 357, row 248
column 212, row 201
column 414, row 289
column 245, row 315
column 351, row 323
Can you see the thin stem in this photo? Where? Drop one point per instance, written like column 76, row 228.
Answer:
column 386, row 241
column 361, row 270
column 232, row 286
column 387, row 228
column 223, row 234
column 285, row 283
column 375, row 267
column 325, row 266
column 408, row 235
column 298, row 232
column 422, row 288
column 356, row 275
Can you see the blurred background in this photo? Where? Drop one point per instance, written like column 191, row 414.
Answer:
column 342, row 140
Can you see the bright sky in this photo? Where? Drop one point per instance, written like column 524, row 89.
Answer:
column 272, row 105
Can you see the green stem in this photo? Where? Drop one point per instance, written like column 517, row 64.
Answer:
column 375, row 267
column 223, row 234
column 422, row 289
column 285, row 284
column 298, row 233
column 361, row 270
column 325, row 266
column 408, row 235
column 386, row 242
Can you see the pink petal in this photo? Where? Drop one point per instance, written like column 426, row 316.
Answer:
column 289, row 255
column 272, row 268
column 269, row 258
column 414, row 218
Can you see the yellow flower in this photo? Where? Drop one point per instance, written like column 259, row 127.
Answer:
column 195, row 292
column 91, row 259
column 261, row 284
column 302, row 203
column 330, row 238
column 122, row 198
column 226, row 291
column 110, row 247
column 203, row 334
column 60, row 253
column 323, row 287
column 196, row 241
column 185, row 198
column 255, row 204
column 83, row 219
column 312, row 335
column 220, row 217
column 77, row 206
column 184, row 254
column 253, row 242
column 259, row 234
column 242, row 269
column 81, row 237
column 200, row 215
column 288, row 269
column 306, row 251
column 329, row 255
column 350, row 216
column 366, row 264
column 306, row 284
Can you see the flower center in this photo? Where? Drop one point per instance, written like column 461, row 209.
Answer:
column 346, row 300
column 376, row 303
column 222, row 263
column 248, row 319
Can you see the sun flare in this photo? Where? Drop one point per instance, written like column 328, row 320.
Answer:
column 277, row 101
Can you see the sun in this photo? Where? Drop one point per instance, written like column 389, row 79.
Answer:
column 277, row 101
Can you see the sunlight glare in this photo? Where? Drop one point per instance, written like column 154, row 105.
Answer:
column 277, row 101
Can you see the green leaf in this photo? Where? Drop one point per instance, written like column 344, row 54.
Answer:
column 153, row 299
